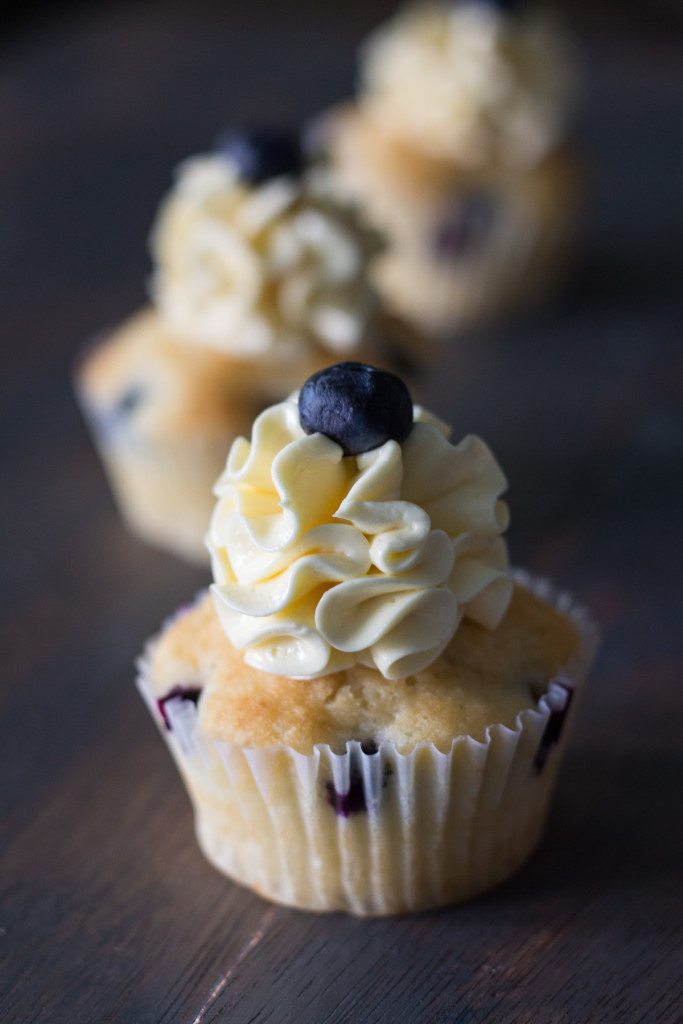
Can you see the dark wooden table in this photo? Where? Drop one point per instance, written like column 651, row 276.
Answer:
column 109, row 913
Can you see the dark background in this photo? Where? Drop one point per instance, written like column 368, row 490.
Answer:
column 109, row 913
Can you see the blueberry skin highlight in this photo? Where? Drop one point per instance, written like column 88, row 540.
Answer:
column 357, row 406
column 260, row 154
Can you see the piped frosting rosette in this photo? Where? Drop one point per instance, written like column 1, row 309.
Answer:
column 323, row 560
column 244, row 267
column 471, row 81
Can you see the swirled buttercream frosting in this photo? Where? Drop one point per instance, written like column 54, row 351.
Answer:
column 322, row 560
column 470, row 82
column 245, row 267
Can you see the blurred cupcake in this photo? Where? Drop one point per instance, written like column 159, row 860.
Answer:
column 251, row 262
column 368, row 710
column 258, row 281
column 163, row 416
column 456, row 149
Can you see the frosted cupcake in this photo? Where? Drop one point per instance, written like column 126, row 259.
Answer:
column 258, row 281
column 368, row 709
column 456, row 149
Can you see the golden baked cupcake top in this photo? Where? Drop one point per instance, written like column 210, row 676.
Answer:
column 481, row 678
column 350, row 531
column 471, row 82
column 249, row 256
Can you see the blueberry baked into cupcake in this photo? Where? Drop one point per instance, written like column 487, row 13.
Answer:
column 457, row 149
column 368, row 708
column 257, row 282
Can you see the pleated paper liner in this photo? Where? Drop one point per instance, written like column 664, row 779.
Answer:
column 374, row 831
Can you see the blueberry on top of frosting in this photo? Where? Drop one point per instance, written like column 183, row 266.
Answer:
column 261, row 154
column 323, row 561
column 357, row 406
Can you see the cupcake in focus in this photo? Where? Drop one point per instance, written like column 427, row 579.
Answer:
column 457, row 149
column 368, row 708
column 257, row 282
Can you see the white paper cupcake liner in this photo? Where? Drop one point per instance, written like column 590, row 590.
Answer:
column 379, row 832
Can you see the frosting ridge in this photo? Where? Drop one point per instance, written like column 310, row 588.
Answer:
column 322, row 560
column 244, row 268
column 470, row 82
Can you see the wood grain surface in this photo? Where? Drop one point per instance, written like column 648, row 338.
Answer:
column 109, row 913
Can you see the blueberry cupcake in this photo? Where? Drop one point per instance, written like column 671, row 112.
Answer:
column 368, row 708
column 457, row 149
column 163, row 416
column 258, row 281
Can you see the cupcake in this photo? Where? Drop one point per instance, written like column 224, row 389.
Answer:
column 163, row 416
column 258, row 281
column 368, row 708
column 457, row 149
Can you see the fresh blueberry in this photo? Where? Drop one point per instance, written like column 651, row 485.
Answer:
column 188, row 693
column 261, row 154
column 358, row 406
column 553, row 730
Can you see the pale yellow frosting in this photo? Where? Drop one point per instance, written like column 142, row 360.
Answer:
column 322, row 561
column 245, row 268
column 470, row 83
